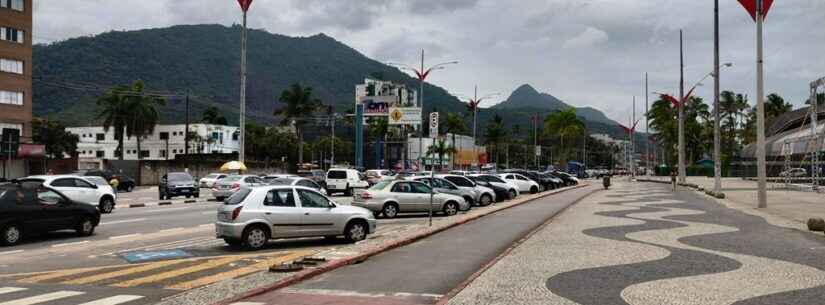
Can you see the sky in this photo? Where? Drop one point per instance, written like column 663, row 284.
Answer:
column 585, row 52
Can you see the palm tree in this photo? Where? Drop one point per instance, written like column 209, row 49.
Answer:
column 776, row 106
column 564, row 124
column 299, row 103
column 662, row 117
column 144, row 114
column 440, row 148
column 112, row 110
column 213, row 116
column 494, row 134
column 454, row 124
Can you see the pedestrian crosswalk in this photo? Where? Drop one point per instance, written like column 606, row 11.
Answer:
column 25, row 296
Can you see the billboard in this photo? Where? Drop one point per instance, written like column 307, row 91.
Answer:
column 377, row 105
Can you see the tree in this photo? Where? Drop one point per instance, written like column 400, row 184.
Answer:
column 732, row 107
column 776, row 106
column 213, row 116
column 144, row 114
column 440, row 148
column 299, row 104
column 494, row 134
column 454, row 124
column 663, row 117
column 564, row 124
column 54, row 136
column 112, row 110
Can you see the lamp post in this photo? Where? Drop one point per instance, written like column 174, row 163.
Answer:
column 422, row 74
column 244, row 7
column 473, row 105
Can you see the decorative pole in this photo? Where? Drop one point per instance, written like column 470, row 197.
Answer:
column 241, row 137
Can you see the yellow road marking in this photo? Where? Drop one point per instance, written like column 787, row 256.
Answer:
column 57, row 274
column 114, row 274
column 239, row 272
column 175, row 273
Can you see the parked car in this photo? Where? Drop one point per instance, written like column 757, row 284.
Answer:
column 525, row 185
column 389, row 198
column 251, row 217
column 501, row 192
column 125, row 183
column 460, row 173
column 209, row 180
column 511, row 188
column 176, row 184
column 299, row 182
column 31, row 209
column 317, row 175
column 483, row 196
column 342, row 180
column 567, row 178
column 375, row 175
column 532, row 175
column 442, row 185
column 80, row 189
column 227, row 186
column 794, row 172
column 555, row 182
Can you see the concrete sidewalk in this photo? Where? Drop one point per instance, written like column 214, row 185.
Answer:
column 795, row 204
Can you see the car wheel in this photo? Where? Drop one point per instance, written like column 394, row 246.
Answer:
column 197, row 195
column 106, row 205
column 160, row 196
column 130, row 188
column 450, row 208
column 534, row 189
column 11, row 235
column 485, row 200
column 188, row 196
column 348, row 192
column 219, row 198
column 376, row 214
column 255, row 237
column 513, row 194
column 85, row 227
column 355, row 231
column 390, row 210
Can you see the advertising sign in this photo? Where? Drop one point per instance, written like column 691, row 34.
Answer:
column 377, row 105
column 405, row 116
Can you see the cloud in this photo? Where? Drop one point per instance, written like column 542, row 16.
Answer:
column 590, row 37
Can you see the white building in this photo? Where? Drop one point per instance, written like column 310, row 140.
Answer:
column 378, row 96
column 166, row 142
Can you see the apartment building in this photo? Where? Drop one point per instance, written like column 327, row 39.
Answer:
column 15, row 77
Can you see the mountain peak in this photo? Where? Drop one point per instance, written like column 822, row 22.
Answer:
column 526, row 96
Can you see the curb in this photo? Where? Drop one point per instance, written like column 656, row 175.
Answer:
column 310, row 273
column 455, row 291
column 160, row 203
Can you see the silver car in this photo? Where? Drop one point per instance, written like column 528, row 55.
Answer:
column 402, row 196
column 298, row 181
column 251, row 217
column 482, row 196
column 230, row 184
column 445, row 186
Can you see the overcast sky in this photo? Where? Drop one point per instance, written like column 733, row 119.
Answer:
column 585, row 52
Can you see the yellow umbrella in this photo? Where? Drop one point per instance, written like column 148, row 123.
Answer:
column 233, row 166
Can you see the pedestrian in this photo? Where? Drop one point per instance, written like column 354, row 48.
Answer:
column 114, row 183
column 673, row 179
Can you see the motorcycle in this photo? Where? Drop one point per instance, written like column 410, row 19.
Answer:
column 606, row 182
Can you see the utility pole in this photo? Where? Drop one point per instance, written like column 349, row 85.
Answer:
column 682, row 170
column 536, row 151
column 632, row 142
column 421, row 165
column 717, row 159
column 186, row 129
column 332, row 142
column 242, row 136
column 762, row 195
column 647, row 131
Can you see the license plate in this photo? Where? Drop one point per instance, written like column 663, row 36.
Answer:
column 185, row 190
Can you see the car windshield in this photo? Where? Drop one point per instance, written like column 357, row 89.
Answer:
column 380, row 185
column 238, row 196
column 179, row 177
column 337, row 175
column 97, row 180
column 280, row 181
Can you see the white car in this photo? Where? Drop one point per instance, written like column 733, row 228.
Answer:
column 209, row 180
column 81, row 189
column 525, row 185
column 343, row 180
column 483, row 196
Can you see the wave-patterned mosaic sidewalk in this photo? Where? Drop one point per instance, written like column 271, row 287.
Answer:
column 642, row 244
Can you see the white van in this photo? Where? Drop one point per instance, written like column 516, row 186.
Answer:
column 342, row 180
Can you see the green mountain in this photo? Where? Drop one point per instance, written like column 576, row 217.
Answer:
column 526, row 96
column 205, row 61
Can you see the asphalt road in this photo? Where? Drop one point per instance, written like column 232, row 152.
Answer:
column 424, row 271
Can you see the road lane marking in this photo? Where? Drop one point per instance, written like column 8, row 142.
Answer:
column 70, row 244
column 10, row 289
column 43, row 298
column 206, row 225
column 114, row 274
column 50, row 275
column 263, row 265
column 125, row 236
column 122, row 221
column 153, row 246
column 175, row 273
column 10, row 252
column 172, row 229
column 118, row 299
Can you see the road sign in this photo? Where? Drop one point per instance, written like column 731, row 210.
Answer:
column 751, row 5
column 433, row 124
column 538, row 151
column 405, row 116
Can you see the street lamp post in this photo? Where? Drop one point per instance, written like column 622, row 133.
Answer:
column 241, row 138
column 473, row 104
column 422, row 74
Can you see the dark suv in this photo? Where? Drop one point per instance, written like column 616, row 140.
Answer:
column 125, row 183
column 177, row 184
